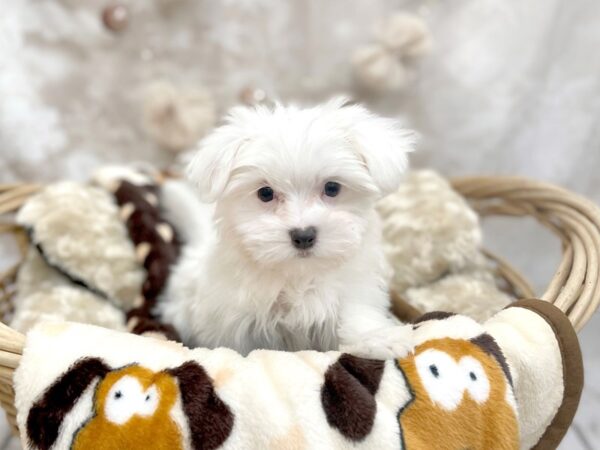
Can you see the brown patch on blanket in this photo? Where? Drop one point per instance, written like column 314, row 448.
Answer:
column 452, row 407
column 348, row 394
column 209, row 418
column 46, row 415
column 294, row 439
column 489, row 345
column 433, row 315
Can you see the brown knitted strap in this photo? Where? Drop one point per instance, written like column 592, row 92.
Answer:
column 157, row 247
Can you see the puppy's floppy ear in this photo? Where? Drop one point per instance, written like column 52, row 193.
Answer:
column 211, row 166
column 381, row 142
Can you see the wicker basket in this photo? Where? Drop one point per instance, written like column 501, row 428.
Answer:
column 574, row 287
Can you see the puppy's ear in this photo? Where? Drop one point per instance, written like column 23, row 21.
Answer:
column 211, row 166
column 381, row 143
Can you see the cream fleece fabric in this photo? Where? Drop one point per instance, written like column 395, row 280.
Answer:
column 267, row 400
column 533, row 353
column 79, row 230
column 432, row 240
column 44, row 294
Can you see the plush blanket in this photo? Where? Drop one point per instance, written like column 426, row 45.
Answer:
column 464, row 385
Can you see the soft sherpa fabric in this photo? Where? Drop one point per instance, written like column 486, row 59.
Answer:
column 454, row 390
column 473, row 293
column 79, row 231
column 44, row 294
column 429, row 229
column 432, row 240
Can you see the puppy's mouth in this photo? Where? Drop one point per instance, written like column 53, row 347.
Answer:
column 305, row 253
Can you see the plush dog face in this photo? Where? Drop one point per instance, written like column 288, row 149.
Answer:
column 298, row 186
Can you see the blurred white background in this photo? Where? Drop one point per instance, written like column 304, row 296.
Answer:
column 508, row 86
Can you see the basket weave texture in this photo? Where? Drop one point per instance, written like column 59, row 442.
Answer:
column 574, row 288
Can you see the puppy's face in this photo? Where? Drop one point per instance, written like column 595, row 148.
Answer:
column 298, row 186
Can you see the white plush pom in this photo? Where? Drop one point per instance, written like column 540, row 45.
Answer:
column 177, row 118
column 378, row 69
column 406, row 35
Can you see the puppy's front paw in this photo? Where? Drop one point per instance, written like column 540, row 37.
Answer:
column 384, row 343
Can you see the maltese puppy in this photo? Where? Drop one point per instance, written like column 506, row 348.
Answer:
column 284, row 246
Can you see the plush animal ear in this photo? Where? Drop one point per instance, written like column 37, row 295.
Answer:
column 381, row 143
column 491, row 347
column 46, row 415
column 210, row 168
column 348, row 395
column 209, row 418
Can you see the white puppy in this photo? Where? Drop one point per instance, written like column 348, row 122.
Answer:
column 284, row 252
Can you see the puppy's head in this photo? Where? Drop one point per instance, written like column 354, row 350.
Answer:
column 299, row 185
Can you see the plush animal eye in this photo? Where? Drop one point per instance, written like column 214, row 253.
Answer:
column 332, row 189
column 442, row 378
column 477, row 382
column 265, row 194
column 125, row 399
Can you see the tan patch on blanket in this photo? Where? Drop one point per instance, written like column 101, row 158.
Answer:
column 293, row 440
column 460, row 399
column 132, row 410
column 222, row 376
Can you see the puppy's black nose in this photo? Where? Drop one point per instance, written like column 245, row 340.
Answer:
column 303, row 238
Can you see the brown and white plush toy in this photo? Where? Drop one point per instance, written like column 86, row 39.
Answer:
column 100, row 253
column 513, row 382
column 81, row 265
column 386, row 64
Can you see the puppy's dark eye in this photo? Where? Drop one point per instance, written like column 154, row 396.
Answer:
column 265, row 194
column 332, row 189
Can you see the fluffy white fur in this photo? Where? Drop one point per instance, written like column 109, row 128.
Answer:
column 241, row 283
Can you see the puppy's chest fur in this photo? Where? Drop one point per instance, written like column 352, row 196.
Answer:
column 312, row 303
column 304, row 316
column 246, row 311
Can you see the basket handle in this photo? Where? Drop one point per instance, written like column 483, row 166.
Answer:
column 575, row 220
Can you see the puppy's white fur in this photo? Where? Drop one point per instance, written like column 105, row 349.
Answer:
column 240, row 282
